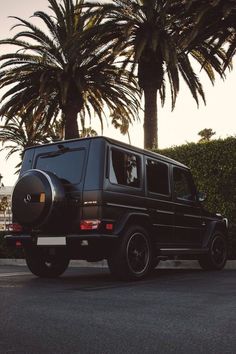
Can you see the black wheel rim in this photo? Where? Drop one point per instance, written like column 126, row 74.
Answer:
column 218, row 251
column 49, row 264
column 138, row 253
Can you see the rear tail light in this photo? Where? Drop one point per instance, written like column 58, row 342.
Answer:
column 89, row 224
column 15, row 227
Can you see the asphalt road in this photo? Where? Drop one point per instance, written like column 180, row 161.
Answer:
column 86, row 311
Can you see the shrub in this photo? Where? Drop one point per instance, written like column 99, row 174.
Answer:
column 213, row 165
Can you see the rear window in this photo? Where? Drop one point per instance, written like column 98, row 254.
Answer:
column 66, row 165
column 124, row 168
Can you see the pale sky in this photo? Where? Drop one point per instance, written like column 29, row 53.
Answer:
column 175, row 128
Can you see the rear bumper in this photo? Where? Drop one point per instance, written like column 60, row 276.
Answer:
column 56, row 240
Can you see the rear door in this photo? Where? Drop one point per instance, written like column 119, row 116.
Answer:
column 67, row 161
column 159, row 201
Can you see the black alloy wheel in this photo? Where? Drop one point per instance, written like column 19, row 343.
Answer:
column 46, row 266
column 217, row 255
column 138, row 253
column 131, row 258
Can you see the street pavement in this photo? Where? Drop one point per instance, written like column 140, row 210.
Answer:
column 175, row 310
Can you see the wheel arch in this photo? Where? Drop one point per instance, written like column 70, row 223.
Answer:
column 134, row 219
column 215, row 226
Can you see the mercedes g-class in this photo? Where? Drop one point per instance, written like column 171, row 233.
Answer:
column 97, row 198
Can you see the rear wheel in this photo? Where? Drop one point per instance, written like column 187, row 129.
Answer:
column 217, row 254
column 132, row 258
column 46, row 266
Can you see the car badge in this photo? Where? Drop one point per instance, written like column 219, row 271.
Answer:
column 28, row 198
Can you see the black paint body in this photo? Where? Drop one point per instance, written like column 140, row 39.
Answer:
column 178, row 227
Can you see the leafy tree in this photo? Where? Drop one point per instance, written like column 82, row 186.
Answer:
column 4, row 204
column 206, row 135
column 57, row 68
column 154, row 37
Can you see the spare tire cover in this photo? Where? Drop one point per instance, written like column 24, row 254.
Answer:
column 36, row 196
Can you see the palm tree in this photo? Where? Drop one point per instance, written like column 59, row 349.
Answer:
column 154, row 37
column 214, row 20
column 122, row 123
column 87, row 132
column 57, row 69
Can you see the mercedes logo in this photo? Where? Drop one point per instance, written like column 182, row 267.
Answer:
column 27, row 198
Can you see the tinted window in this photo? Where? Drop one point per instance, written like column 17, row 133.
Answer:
column 157, row 177
column 65, row 165
column 183, row 185
column 124, row 168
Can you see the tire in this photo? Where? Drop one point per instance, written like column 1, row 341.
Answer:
column 217, row 254
column 155, row 263
column 45, row 266
column 132, row 258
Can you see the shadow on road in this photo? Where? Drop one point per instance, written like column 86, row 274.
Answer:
column 97, row 279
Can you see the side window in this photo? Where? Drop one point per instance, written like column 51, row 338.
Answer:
column 157, row 177
column 124, row 168
column 183, row 185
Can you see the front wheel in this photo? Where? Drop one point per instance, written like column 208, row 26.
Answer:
column 132, row 258
column 46, row 266
column 217, row 254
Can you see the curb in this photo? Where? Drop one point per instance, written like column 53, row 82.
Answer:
column 231, row 264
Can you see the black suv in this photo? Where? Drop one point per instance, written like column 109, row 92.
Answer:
column 97, row 198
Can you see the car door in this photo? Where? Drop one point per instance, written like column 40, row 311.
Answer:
column 188, row 223
column 159, row 201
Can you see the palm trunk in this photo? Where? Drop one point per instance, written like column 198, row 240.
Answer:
column 71, row 125
column 150, row 118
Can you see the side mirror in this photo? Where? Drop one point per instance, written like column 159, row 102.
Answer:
column 201, row 197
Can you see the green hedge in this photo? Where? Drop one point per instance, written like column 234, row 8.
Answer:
column 213, row 165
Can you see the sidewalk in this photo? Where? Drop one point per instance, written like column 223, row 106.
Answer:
column 103, row 264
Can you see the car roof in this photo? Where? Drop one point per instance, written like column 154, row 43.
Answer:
column 114, row 142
